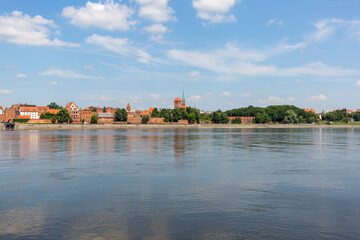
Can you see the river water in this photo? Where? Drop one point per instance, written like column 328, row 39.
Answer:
column 180, row 184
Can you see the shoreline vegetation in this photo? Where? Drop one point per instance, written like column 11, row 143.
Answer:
column 54, row 127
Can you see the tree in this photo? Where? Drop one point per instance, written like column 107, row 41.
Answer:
column 53, row 105
column 94, row 119
column 219, row 117
column 192, row 117
column 42, row 116
column 63, row 116
column 121, row 115
column 104, row 109
column 53, row 120
column 155, row 113
column 312, row 120
column 145, row 119
column 236, row 121
column 94, row 110
column 291, row 117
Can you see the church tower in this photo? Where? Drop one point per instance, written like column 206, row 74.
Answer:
column 183, row 104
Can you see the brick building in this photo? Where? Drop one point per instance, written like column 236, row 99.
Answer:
column 244, row 120
column 74, row 111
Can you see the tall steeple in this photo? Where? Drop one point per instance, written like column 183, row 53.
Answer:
column 183, row 100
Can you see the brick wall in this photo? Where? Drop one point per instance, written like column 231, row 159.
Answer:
column 156, row 121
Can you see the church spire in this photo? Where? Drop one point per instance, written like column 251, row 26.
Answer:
column 183, row 99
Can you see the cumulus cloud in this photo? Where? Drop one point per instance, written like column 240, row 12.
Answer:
column 23, row 29
column 235, row 60
column 194, row 73
column 121, row 46
column 320, row 97
column 107, row 15
column 21, row 75
column 5, row 91
column 157, row 28
column 214, row 11
column 273, row 99
column 357, row 84
column 64, row 74
column 226, row 94
column 155, row 10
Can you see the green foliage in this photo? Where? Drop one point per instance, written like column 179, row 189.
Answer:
column 174, row 115
column 63, row 116
column 104, row 109
column 53, row 105
column 166, row 114
column 155, row 113
column 291, row 117
column 21, row 120
column 121, row 115
column 145, row 119
column 94, row 110
column 276, row 113
column 192, row 117
column 335, row 116
column 94, row 119
column 357, row 116
column 205, row 117
column 345, row 120
column 236, row 121
column 42, row 116
column 53, row 120
column 219, row 117
column 312, row 120
column 47, row 115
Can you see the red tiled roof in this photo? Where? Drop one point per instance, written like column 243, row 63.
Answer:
column 23, row 117
column 177, row 100
column 28, row 109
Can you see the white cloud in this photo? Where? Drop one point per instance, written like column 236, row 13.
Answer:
column 234, row 60
column 64, row 74
column 155, row 96
column 106, row 98
column 121, row 46
column 194, row 73
column 107, row 15
column 320, row 97
column 325, row 28
column 246, row 95
column 22, row 29
column 273, row 99
column 155, row 10
column 5, row 91
column 226, row 94
column 274, row 21
column 298, row 81
column 357, row 84
column 156, row 28
column 214, row 11
column 21, row 75
column 195, row 98
column 53, row 83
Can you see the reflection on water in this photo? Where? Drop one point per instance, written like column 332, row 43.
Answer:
column 180, row 184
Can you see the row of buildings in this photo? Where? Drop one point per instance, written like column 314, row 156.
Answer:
column 105, row 115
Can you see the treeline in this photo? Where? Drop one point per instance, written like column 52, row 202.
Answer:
column 277, row 113
column 173, row 115
column 340, row 115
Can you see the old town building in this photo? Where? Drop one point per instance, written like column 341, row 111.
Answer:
column 29, row 110
column 74, row 111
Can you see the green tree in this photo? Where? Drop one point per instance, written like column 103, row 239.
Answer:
column 94, row 110
column 145, row 119
column 121, row 115
column 291, row 117
column 42, row 116
column 192, row 117
column 63, row 116
column 104, row 109
column 53, row 105
column 311, row 120
column 53, row 120
column 155, row 113
column 94, row 119
column 219, row 117
column 236, row 121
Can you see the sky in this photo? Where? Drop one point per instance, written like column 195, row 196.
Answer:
column 223, row 54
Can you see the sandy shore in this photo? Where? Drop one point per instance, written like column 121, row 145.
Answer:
column 52, row 127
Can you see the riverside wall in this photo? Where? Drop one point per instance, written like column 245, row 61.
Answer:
column 55, row 127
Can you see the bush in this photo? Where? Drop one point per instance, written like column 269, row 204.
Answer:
column 145, row 119
column 21, row 120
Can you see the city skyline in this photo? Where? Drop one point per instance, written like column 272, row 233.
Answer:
column 147, row 52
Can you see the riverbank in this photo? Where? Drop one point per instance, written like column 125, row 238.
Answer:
column 53, row 127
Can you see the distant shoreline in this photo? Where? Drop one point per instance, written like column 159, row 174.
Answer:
column 54, row 127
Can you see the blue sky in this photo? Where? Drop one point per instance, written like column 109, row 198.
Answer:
column 223, row 53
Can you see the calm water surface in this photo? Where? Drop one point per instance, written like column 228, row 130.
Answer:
column 180, row 184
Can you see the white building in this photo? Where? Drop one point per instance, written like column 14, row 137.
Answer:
column 29, row 111
column 1, row 110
